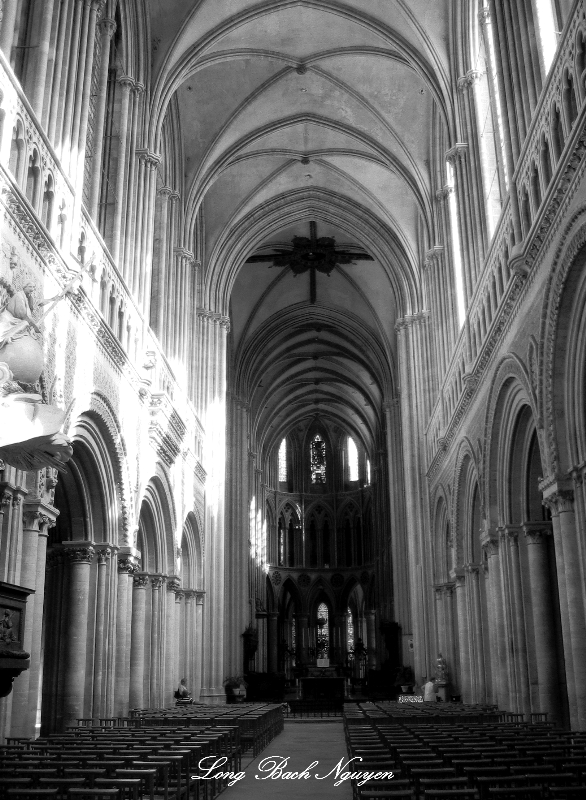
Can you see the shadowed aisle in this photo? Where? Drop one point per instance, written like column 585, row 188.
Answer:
column 302, row 743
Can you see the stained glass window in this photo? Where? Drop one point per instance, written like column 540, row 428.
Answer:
column 318, row 460
column 352, row 460
column 283, row 461
column 350, row 629
column 281, row 543
column 323, row 631
column 368, row 472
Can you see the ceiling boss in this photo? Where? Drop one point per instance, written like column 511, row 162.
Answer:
column 311, row 255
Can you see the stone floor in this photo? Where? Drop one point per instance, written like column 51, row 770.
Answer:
column 300, row 744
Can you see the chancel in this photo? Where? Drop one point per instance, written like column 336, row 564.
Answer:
column 292, row 363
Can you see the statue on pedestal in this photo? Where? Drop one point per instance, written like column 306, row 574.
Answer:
column 441, row 669
column 30, row 437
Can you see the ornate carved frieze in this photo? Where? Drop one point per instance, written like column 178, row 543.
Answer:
column 200, row 472
column 166, row 429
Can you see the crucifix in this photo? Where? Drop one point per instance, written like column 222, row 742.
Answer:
column 310, row 255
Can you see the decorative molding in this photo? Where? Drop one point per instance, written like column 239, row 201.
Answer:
column 166, row 429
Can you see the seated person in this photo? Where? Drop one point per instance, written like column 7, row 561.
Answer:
column 182, row 692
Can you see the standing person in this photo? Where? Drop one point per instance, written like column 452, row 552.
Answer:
column 428, row 691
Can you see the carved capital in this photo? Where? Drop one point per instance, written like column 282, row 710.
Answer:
column 140, row 580
column 107, row 27
column 537, row 532
column 165, row 192
column 179, row 595
column 484, row 15
column 173, row 584
column 127, row 565
column 560, row 502
column 511, row 533
column 151, row 160
column 199, row 596
column 79, row 555
column 491, row 546
column 433, row 256
column 126, row 82
column 444, row 193
column 468, row 80
column 157, row 581
column 457, row 152
column 36, row 518
column 103, row 554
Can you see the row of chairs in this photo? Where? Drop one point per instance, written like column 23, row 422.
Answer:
column 127, row 762
column 471, row 761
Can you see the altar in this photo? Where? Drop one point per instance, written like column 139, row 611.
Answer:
column 327, row 687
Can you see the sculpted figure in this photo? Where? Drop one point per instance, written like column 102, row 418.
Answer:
column 15, row 315
column 441, row 669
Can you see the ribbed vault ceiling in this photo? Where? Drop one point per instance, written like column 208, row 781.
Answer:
column 294, row 112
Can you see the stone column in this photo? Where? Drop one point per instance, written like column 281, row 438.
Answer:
column 155, row 699
column 126, row 569
column 273, row 643
column 159, row 287
column 543, row 620
column 518, row 620
column 41, row 56
column 139, row 583
column 340, row 637
column 71, row 56
column 103, row 554
column 107, row 28
column 37, row 519
column 561, row 502
column 197, row 666
column 144, row 265
column 476, row 615
column 302, row 637
column 83, row 103
column 463, row 636
column 371, row 638
column 80, row 556
column 179, row 642
column 188, row 634
column 170, row 681
column 496, row 619
column 126, row 84
column 9, row 12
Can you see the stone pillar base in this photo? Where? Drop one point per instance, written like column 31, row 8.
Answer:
column 442, row 690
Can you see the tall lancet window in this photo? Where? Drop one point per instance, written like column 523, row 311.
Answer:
column 323, row 631
column 350, row 629
column 318, row 459
column 283, row 461
column 352, row 451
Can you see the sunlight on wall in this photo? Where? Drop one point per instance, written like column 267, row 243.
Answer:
column 547, row 32
column 456, row 248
